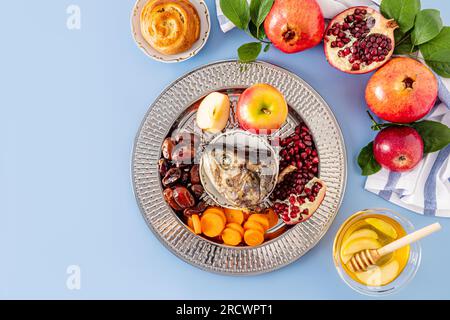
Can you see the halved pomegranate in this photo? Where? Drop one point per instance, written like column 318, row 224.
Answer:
column 300, row 207
column 359, row 40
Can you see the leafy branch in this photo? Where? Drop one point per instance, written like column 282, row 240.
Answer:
column 250, row 19
column 420, row 30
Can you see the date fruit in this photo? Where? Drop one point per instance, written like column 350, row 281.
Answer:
column 183, row 197
column 167, row 148
column 171, row 176
column 163, row 167
column 168, row 196
column 195, row 175
column 197, row 189
column 198, row 209
column 183, row 154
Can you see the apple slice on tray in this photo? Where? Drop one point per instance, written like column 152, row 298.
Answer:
column 213, row 112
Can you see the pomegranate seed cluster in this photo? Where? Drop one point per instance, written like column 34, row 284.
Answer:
column 353, row 36
column 295, row 210
column 297, row 150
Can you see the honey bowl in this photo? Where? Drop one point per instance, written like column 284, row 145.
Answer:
column 372, row 229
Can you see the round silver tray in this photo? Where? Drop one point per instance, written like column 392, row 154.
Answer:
column 305, row 103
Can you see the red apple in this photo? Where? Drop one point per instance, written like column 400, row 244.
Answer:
column 261, row 108
column 403, row 91
column 398, row 148
column 294, row 25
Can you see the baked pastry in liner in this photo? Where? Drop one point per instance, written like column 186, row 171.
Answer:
column 170, row 26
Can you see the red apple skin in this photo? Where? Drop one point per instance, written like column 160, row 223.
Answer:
column 398, row 149
column 261, row 109
column 294, row 25
column 402, row 91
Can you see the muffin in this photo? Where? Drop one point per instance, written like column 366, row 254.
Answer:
column 170, row 26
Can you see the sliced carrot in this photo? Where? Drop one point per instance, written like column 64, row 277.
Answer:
column 216, row 210
column 237, row 227
column 196, row 224
column 253, row 225
column 231, row 237
column 234, row 215
column 212, row 225
column 189, row 223
column 272, row 216
column 253, row 237
column 261, row 219
column 247, row 214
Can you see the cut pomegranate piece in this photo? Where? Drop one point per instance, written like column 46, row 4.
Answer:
column 359, row 40
column 299, row 208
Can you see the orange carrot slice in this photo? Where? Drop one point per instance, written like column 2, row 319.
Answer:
column 212, row 225
column 272, row 217
column 237, row 227
column 190, row 223
column 253, row 225
column 231, row 237
column 234, row 215
column 253, row 237
column 196, row 225
column 216, row 210
column 261, row 219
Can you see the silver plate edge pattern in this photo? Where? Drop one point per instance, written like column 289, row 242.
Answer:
column 229, row 271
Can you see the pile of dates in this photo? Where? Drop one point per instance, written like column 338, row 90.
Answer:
column 179, row 174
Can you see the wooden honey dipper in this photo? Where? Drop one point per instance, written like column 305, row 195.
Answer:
column 366, row 258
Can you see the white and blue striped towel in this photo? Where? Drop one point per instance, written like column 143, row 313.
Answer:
column 426, row 189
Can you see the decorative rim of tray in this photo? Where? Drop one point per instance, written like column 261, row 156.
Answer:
column 165, row 224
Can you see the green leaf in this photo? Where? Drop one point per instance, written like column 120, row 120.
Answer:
column 259, row 9
column 267, row 47
column 435, row 135
column 237, row 11
column 427, row 26
column 249, row 51
column 367, row 162
column 257, row 33
column 437, row 53
column 405, row 46
column 402, row 11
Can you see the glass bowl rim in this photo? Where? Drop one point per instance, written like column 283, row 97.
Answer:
column 379, row 291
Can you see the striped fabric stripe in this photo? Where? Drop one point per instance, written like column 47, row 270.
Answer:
column 430, row 203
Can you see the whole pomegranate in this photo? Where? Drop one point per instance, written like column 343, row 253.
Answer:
column 359, row 40
column 398, row 148
column 403, row 91
column 294, row 25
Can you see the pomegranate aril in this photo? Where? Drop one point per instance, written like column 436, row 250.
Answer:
column 355, row 66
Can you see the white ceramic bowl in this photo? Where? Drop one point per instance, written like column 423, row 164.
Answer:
column 205, row 28
column 240, row 139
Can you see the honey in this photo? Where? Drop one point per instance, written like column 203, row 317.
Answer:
column 372, row 231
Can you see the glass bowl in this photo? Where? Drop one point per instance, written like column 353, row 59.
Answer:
column 403, row 278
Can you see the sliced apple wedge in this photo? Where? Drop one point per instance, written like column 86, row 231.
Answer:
column 361, row 233
column 213, row 112
column 379, row 276
column 383, row 227
column 358, row 245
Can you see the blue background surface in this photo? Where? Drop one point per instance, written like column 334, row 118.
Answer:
column 70, row 105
